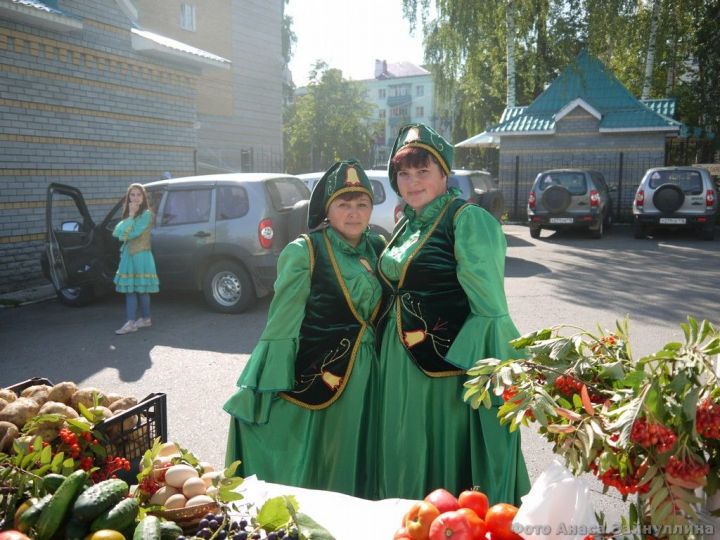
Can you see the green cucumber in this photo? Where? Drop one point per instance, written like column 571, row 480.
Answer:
column 30, row 516
column 76, row 529
column 118, row 517
column 98, row 498
column 51, row 482
column 53, row 514
column 148, row 529
column 169, row 530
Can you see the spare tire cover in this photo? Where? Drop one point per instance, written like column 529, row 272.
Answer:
column 556, row 199
column 668, row 198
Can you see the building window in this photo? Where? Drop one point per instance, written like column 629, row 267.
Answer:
column 381, row 114
column 419, row 112
column 419, row 91
column 381, row 93
column 393, row 91
column 187, row 17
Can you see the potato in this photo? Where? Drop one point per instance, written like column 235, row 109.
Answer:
column 127, row 424
column 123, row 403
column 8, row 433
column 8, row 395
column 63, row 392
column 100, row 413
column 112, row 397
column 3, row 402
column 86, row 396
column 19, row 411
column 54, row 407
column 38, row 392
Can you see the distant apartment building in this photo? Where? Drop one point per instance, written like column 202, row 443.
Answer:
column 102, row 93
column 402, row 92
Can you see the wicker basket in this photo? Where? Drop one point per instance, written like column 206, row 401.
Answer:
column 189, row 517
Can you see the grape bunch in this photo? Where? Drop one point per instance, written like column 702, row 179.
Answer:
column 221, row 526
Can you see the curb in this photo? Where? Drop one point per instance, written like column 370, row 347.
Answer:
column 24, row 297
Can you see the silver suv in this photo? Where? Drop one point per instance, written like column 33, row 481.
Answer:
column 569, row 198
column 387, row 206
column 220, row 234
column 479, row 187
column 676, row 197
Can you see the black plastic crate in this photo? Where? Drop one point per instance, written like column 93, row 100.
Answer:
column 129, row 434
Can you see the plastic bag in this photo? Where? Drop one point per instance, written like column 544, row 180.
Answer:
column 557, row 507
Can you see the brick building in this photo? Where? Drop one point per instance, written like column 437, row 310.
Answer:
column 94, row 95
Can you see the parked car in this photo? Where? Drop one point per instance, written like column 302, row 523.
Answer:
column 481, row 188
column 569, row 198
column 386, row 207
column 220, row 234
column 676, row 197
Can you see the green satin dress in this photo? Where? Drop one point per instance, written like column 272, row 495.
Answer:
column 331, row 448
column 429, row 437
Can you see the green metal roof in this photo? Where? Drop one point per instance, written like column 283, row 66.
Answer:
column 588, row 79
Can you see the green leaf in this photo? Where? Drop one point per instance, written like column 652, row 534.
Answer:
column 311, row 529
column 662, row 511
column 46, row 455
column 529, row 339
column 231, row 469
column 689, row 406
column 231, row 483
column 274, row 514
column 613, row 371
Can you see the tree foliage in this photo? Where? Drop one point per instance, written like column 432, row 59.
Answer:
column 466, row 43
column 328, row 123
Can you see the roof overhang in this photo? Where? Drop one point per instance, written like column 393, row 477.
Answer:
column 575, row 103
column 523, row 133
column 639, row 128
column 165, row 48
column 481, row 140
column 38, row 18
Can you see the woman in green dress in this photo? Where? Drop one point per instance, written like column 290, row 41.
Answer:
column 304, row 413
column 445, row 309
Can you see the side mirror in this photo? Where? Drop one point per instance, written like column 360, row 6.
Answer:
column 70, row 226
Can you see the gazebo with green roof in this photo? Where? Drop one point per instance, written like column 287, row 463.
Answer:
column 585, row 119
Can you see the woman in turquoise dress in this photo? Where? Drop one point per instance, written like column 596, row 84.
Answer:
column 136, row 276
column 304, row 412
column 445, row 309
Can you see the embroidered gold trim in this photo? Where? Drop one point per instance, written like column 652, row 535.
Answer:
column 311, row 252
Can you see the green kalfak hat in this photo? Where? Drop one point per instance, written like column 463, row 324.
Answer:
column 343, row 177
column 421, row 136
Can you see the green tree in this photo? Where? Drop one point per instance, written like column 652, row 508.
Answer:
column 329, row 122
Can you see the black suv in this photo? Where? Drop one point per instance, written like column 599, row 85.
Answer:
column 569, row 198
column 220, row 234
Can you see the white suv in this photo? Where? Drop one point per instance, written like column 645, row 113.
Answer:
column 676, row 197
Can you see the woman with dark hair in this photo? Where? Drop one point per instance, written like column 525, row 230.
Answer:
column 304, row 413
column 136, row 276
column 445, row 309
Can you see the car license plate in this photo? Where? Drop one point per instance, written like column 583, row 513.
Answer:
column 672, row 221
column 561, row 220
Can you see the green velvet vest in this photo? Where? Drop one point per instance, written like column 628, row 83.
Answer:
column 331, row 331
column 428, row 306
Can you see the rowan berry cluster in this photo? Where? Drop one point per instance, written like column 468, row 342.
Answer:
column 84, row 448
column 649, row 434
column 707, row 419
column 687, row 469
column 567, row 385
column 627, row 484
column 509, row 393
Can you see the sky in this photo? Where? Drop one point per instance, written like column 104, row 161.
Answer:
column 349, row 35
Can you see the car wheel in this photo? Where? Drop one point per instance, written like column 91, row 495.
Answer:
column 382, row 232
column 556, row 199
column 597, row 232
column 668, row 198
column 494, row 204
column 297, row 220
column 535, row 231
column 638, row 230
column 228, row 288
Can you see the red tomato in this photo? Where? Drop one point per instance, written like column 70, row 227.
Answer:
column 402, row 534
column 476, row 501
column 419, row 518
column 452, row 525
column 443, row 500
column 477, row 525
column 498, row 521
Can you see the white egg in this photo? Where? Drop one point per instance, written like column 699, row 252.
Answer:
column 163, row 494
column 178, row 474
column 208, row 477
column 206, row 467
column 176, row 501
column 168, row 449
column 198, row 500
column 212, row 491
column 193, row 486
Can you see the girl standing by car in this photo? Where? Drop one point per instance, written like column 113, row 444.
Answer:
column 304, row 412
column 136, row 276
column 445, row 309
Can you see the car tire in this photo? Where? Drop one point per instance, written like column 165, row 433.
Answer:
column 598, row 231
column 495, row 204
column 639, row 230
column 556, row 199
column 75, row 296
column 382, row 232
column 535, row 231
column 668, row 198
column 228, row 288
column 298, row 220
